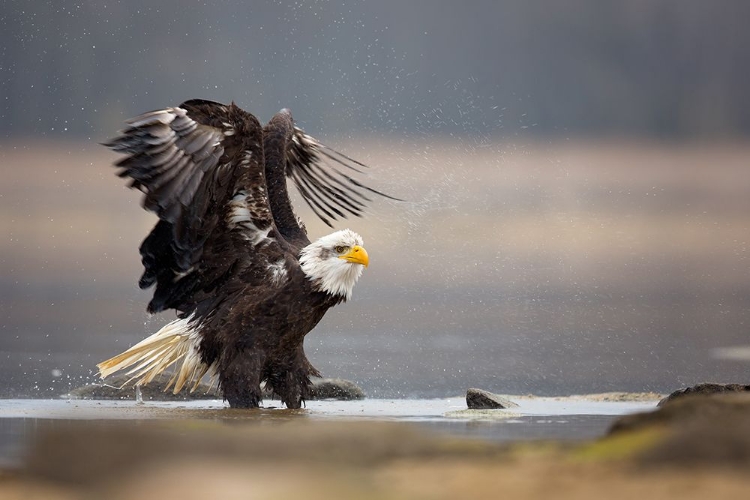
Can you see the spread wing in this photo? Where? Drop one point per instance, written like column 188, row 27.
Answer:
column 168, row 155
column 323, row 177
column 200, row 168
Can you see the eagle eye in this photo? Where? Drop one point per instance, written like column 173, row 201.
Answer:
column 340, row 248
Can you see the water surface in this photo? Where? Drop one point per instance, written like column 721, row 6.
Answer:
column 572, row 418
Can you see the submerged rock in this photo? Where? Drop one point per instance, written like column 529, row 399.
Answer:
column 117, row 388
column 328, row 388
column 706, row 388
column 478, row 399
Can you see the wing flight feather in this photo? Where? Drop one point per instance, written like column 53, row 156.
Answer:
column 200, row 167
column 168, row 155
column 316, row 172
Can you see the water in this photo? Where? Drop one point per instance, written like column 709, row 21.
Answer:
column 564, row 269
column 573, row 418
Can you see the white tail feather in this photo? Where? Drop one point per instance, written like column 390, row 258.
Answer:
column 176, row 343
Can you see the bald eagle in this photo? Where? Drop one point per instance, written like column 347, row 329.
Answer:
column 228, row 252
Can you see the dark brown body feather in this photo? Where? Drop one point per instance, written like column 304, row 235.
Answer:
column 217, row 181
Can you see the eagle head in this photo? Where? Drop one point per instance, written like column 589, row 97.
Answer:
column 335, row 262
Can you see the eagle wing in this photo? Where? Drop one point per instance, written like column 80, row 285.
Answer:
column 200, row 167
column 320, row 175
column 168, row 155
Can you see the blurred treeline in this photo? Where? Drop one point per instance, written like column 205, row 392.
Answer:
column 637, row 68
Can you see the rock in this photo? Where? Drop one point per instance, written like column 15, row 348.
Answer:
column 706, row 388
column 323, row 388
column 329, row 388
column 336, row 388
column 478, row 399
column 116, row 387
column 700, row 429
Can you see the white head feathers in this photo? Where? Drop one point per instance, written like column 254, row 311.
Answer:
column 322, row 262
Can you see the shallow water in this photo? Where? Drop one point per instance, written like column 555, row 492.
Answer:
column 570, row 418
column 550, row 268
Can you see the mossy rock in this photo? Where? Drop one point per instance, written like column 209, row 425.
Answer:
column 693, row 430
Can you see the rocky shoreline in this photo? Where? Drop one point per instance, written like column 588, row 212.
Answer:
column 697, row 443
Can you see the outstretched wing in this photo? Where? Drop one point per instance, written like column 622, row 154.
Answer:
column 323, row 177
column 200, row 167
column 168, row 155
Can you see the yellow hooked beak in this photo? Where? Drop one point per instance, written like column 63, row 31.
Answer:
column 357, row 255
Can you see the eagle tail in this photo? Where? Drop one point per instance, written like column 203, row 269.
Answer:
column 175, row 344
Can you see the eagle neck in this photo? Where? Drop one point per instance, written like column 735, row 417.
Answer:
column 276, row 136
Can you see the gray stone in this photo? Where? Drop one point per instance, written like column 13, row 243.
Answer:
column 116, row 388
column 704, row 389
column 336, row 388
column 329, row 388
column 478, row 399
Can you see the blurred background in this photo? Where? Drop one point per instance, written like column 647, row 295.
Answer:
column 576, row 177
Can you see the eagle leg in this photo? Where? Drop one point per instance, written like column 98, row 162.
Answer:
column 292, row 386
column 240, row 380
